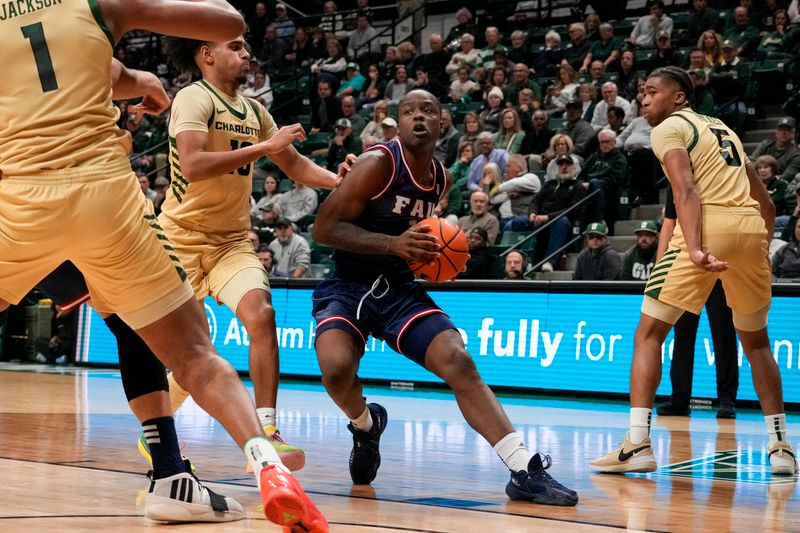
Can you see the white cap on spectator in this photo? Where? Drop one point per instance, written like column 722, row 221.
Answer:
column 390, row 122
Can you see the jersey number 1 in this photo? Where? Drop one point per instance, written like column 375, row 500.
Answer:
column 44, row 64
column 733, row 159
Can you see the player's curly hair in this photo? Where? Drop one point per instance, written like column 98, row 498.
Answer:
column 181, row 53
column 679, row 77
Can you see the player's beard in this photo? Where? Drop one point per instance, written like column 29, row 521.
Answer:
column 241, row 79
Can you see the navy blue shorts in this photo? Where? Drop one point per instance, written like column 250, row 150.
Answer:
column 65, row 286
column 405, row 316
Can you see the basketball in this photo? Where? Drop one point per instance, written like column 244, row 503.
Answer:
column 454, row 252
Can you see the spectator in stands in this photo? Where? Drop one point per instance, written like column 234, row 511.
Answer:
column 607, row 171
column 697, row 61
column 298, row 54
column 551, row 57
column 597, row 74
column 564, row 90
column 786, row 262
column 771, row 44
column 611, row 98
column 527, row 103
column 464, row 26
column 260, row 90
column 144, row 183
column 446, row 149
column 592, row 23
column 298, row 203
column 487, row 153
column 537, row 140
column 327, row 110
column 554, row 198
column 479, row 264
column 728, row 83
column 767, row 169
column 332, row 22
column 587, row 94
column 291, row 251
column 666, row 54
column 390, row 60
column 467, row 57
column 646, row 28
column 641, row 257
column 645, row 169
column 357, row 122
column 486, row 58
column 598, row 261
column 494, row 106
column 560, row 144
column 388, row 129
column 490, row 183
column 703, row 100
column 703, row 18
column 267, row 258
column 344, row 141
column 161, row 185
column 616, row 118
column 257, row 24
column 334, row 65
column 473, row 126
column 373, row 89
column 606, row 49
column 513, row 197
column 353, row 81
column 268, row 196
column 460, row 169
column 317, row 48
column 369, row 142
column 575, row 52
column 783, row 149
column 627, row 75
column 399, row 86
column 252, row 236
column 581, row 132
column 519, row 51
column 407, row 52
column 273, row 52
column 710, row 43
column 362, row 40
column 435, row 62
column 515, row 265
column 283, row 24
column 362, row 6
column 268, row 216
column 424, row 81
column 742, row 33
column 521, row 80
column 373, row 127
column 479, row 216
column 462, row 86
column 509, row 136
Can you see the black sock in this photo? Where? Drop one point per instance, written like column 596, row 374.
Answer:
column 163, row 443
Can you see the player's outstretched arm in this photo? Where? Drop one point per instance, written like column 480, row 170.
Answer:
column 759, row 193
column 130, row 83
column 335, row 226
column 687, row 202
column 205, row 20
column 301, row 169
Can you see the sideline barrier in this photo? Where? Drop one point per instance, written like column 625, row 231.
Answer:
column 557, row 336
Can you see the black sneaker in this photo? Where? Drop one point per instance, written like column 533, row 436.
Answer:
column 537, row 486
column 726, row 410
column 672, row 409
column 365, row 458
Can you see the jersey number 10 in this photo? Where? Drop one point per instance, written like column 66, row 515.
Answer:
column 44, row 64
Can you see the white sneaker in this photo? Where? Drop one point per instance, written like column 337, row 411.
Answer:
column 781, row 459
column 547, row 267
column 181, row 498
column 629, row 457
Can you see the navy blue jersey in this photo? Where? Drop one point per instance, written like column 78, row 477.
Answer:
column 401, row 204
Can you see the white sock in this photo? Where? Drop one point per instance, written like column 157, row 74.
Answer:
column 267, row 416
column 513, row 452
column 177, row 394
column 640, row 424
column 364, row 421
column 776, row 427
column 260, row 453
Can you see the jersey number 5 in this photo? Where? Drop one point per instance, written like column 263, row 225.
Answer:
column 44, row 64
column 732, row 158
column 245, row 170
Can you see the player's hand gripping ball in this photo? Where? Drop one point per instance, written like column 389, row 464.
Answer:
column 453, row 254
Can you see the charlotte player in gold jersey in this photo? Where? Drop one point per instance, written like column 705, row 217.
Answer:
column 67, row 192
column 725, row 218
column 215, row 137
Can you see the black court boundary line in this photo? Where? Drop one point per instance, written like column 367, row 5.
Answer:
column 546, row 518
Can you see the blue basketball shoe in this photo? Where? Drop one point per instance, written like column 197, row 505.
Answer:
column 365, row 458
column 537, row 486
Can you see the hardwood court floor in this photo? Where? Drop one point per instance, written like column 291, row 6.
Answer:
column 69, row 462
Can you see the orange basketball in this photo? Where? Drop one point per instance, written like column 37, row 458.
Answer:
column 454, row 252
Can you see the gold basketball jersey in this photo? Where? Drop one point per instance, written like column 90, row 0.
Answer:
column 717, row 154
column 55, row 88
column 222, row 203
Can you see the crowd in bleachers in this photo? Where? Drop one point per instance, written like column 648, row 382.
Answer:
column 536, row 116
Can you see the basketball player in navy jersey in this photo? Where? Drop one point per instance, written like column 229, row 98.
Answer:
column 372, row 222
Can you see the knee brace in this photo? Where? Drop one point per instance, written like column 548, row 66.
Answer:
column 142, row 372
